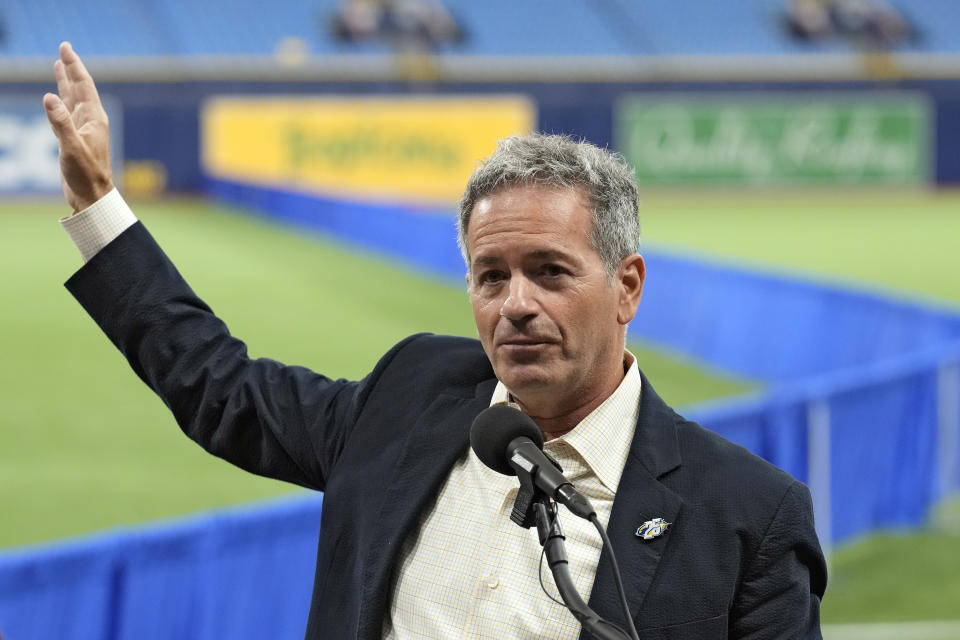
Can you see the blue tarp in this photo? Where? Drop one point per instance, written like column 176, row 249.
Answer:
column 884, row 462
column 777, row 328
column 234, row 574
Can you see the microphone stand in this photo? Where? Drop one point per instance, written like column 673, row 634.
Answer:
column 531, row 505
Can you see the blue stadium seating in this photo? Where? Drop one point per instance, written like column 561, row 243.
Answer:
column 101, row 27
column 494, row 27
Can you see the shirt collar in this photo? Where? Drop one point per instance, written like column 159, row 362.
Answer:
column 603, row 437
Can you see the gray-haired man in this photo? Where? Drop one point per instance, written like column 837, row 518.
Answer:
column 548, row 228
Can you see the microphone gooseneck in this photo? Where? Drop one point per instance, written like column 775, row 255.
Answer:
column 509, row 442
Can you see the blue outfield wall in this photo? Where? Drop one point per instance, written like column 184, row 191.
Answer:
column 885, row 448
column 244, row 573
column 862, row 404
column 778, row 328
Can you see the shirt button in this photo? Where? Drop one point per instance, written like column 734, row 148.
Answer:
column 493, row 582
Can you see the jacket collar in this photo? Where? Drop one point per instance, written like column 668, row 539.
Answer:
column 655, row 444
column 654, row 453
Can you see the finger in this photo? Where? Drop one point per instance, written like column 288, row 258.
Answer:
column 63, row 84
column 82, row 84
column 59, row 117
column 88, row 113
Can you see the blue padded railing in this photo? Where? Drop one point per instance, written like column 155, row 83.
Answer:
column 243, row 573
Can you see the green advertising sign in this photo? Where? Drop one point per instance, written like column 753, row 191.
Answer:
column 776, row 139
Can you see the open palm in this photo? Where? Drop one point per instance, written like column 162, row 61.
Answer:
column 82, row 129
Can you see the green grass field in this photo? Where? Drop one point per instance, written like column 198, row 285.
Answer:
column 84, row 445
column 898, row 585
column 906, row 243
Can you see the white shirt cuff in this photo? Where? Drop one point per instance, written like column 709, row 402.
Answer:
column 99, row 224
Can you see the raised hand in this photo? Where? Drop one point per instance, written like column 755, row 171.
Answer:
column 81, row 127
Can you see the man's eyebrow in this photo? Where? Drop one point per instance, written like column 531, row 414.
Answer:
column 549, row 254
column 539, row 254
column 485, row 260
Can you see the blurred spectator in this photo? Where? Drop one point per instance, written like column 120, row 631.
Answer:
column 357, row 20
column 408, row 24
column 869, row 24
column 809, row 19
column 872, row 23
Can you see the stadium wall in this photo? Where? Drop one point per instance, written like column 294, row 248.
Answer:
column 161, row 119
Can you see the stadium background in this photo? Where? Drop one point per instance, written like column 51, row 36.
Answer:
column 791, row 261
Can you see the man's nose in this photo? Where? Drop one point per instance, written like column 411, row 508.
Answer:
column 520, row 303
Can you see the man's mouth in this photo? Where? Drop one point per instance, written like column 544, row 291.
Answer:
column 524, row 344
column 522, row 339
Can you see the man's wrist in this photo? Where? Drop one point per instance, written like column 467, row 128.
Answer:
column 102, row 191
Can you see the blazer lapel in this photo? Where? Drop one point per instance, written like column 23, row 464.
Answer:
column 641, row 496
column 440, row 437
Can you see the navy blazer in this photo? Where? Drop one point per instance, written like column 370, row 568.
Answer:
column 740, row 560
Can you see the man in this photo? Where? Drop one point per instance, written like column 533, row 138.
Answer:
column 415, row 538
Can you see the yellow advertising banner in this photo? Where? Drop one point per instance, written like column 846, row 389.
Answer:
column 417, row 149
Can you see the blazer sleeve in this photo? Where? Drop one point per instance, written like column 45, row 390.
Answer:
column 283, row 422
column 780, row 592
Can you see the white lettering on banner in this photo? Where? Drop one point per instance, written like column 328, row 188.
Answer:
column 28, row 155
column 672, row 139
column 812, row 139
column 670, row 143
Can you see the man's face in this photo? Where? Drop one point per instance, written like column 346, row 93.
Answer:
column 549, row 319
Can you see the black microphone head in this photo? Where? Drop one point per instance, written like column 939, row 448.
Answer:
column 495, row 428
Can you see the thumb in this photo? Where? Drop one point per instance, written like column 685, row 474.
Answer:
column 59, row 117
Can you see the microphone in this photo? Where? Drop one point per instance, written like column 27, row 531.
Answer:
column 509, row 442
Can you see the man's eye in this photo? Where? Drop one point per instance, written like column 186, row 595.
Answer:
column 491, row 277
column 553, row 270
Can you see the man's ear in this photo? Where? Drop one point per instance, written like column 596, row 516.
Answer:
column 630, row 276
